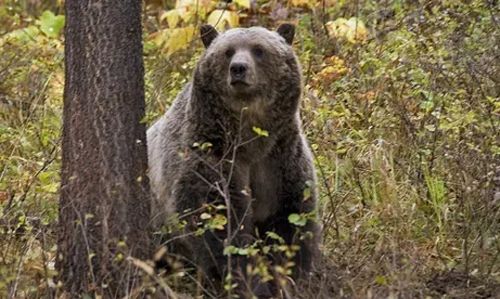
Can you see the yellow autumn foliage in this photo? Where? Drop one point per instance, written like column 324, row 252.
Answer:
column 186, row 10
column 223, row 19
column 172, row 16
column 243, row 3
column 353, row 30
column 333, row 68
column 173, row 39
column 303, row 3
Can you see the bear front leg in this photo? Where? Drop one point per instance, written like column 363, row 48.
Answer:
column 307, row 237
column 204, row 190
column 297, row 195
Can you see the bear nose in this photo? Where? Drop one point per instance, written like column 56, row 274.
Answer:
column 238, row 69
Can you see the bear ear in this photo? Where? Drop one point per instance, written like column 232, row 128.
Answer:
column 287, row 31
column 208, row 34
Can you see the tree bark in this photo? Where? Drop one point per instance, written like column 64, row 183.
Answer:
column 105, row 198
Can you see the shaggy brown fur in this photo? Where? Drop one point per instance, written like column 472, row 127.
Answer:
column 246, row 78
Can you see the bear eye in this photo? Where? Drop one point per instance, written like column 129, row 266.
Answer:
column 229, row 52
column 258, row 52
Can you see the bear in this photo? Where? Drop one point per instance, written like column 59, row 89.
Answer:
column 232, row 138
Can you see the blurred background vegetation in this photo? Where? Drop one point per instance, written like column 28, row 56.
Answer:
column 401, row 105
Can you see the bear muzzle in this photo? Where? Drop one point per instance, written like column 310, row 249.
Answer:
column 241, row 72
column 239, row 75
column 238, row 70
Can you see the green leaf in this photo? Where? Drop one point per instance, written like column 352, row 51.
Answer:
column 297, row 219
column 260, row 132
column 25, row 35
column 381, row 280
column 230, row 250
column 275, row 236
column 307, row 193
column 217, row 222
column 51, row 24
column 242, row 251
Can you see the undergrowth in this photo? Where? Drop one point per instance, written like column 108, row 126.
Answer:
column 401, row 109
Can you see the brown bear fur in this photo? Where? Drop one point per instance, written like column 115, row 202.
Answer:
column 205, row 148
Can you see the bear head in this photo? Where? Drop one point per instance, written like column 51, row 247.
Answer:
column 243, row 66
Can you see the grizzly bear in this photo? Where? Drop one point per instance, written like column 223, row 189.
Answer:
column 233, row 139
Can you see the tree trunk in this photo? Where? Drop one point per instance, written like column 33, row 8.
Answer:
column 105, row 199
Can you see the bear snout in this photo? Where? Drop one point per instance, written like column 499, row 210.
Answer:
column 241, row 71
column 240, row 75
column 238, row 70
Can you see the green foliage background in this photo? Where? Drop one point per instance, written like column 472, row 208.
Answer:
column 403, row 123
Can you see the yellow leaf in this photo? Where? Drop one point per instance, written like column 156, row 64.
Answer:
column 179, row 38
column 337, row 27
column 193, row 4
column 358, row 30
column 172, row 17
column 353, row 30
column 185, row 3
column 190, row 8
column 304, row 3
column 186, row 14
column 223, row 19
column 260, row 132
column 243, row 3
column 334, row 68
column 173, row 39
